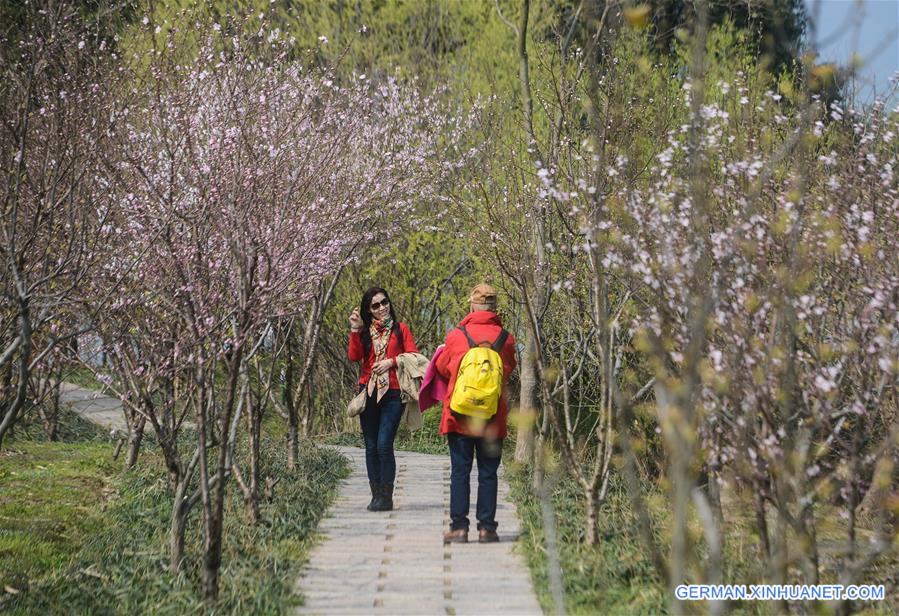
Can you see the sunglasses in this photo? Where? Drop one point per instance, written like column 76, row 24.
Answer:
column 382, row 304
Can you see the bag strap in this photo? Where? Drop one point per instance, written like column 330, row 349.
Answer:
column 471, row 343
column 497, row 345
column 500, row 341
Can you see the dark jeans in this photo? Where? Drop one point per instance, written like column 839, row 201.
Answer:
column 380, row 421
column 462, row 452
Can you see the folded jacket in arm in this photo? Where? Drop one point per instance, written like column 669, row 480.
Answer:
column 410, row 369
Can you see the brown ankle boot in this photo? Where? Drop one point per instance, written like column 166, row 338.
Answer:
column 458, row 535
column 487, row 536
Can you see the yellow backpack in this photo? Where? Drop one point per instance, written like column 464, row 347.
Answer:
column 479, row 382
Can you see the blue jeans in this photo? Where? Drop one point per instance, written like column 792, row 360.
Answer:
column 380, row 421
column 462, row 452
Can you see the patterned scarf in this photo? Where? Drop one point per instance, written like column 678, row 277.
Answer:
column 380, row 337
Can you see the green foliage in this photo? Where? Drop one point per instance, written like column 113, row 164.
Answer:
column 81, row 376
column 427, row 439
column 777, row 27
column 121, row 566
column 72, row 429
column 462, row 44
column 428, row 275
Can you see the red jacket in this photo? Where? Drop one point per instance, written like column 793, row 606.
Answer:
column 482, row 325
column 393, row 349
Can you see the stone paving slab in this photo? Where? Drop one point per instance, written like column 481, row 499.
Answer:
column 395, row 562
column 94, row 406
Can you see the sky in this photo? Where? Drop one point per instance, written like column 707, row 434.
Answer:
column 869, row 27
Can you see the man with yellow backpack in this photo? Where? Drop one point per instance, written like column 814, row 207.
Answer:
column 478, row 357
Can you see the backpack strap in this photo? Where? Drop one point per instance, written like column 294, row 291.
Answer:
column 500, row 341
column 471, row 343
column 497, row 345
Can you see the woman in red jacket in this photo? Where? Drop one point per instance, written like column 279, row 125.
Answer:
column 376, row 338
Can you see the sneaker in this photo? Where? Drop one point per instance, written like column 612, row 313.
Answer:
column 459, row 535
column 487, row 536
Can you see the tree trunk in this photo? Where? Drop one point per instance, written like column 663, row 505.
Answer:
column 176, row 535
column 714, row 494
column 135, row 437
column 45, row 392
column 212, row 554
column 181, row 506
column 215, row 510
column 591, row 537
column 306, row 422
column 293, row 437
column 251, row 500
column 293, row 440
column 53, row 428
column 761, row 521
column 12, row 411
column 526, row 439
column 527, row 412
column 294, row 393
column 251, row 505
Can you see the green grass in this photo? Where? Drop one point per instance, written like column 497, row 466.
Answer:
column 52, row 498
column 426, row 439
column 614, row 577
column 72, row 428
column 53, row 495
column 79, row 536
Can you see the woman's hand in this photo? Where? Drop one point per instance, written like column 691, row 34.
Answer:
column 355, row 320
column 380, row 367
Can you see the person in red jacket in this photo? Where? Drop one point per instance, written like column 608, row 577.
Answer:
column 376, row 338
column 467, row 436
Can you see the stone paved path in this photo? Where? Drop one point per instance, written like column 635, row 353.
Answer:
column 395, row 562
column 94, row 406
column 391, row 562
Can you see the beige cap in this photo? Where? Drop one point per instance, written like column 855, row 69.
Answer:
column 482, row 293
